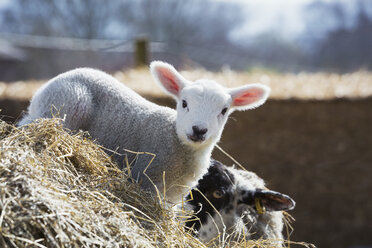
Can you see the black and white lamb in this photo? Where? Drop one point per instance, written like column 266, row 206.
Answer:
column 118, row 118
column 234, row 204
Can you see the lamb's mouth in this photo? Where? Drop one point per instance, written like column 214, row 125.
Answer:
column 196, row 138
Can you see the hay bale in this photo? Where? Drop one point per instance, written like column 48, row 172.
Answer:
column 62, row 190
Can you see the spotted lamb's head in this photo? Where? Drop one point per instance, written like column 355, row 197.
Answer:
column 230, row 202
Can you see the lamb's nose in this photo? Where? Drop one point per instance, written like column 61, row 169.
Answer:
column 199, row 131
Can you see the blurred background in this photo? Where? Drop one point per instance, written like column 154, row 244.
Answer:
column 41, row 38
column 312, row 140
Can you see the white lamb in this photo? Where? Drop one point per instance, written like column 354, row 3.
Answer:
column 118, row 118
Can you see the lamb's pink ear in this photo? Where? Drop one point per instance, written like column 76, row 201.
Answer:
column 249, row 96
column 167, row 77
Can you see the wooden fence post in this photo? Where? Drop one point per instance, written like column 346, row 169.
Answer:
column 141, row 52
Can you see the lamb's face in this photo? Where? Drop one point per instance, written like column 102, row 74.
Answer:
column 215, row 202
column 202, row 111
column 222, row 197
column 203, row 106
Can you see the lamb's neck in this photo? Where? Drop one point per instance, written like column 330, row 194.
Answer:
column 194, row 165
column 204, row 155
column 201, row 160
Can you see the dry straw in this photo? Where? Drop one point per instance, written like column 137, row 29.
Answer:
column 309, row 86
column 61, row 190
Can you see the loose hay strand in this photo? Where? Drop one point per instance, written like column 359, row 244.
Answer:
column 231, row 157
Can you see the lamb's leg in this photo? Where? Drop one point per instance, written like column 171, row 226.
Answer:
column 26, row 119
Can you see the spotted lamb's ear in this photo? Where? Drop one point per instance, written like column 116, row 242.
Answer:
column 274, row 201
column 249, row 96
column 168, row 78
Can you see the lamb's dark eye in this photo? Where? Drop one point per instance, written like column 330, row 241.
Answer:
column 184, row 104
column 223, row 112
column 217, row 194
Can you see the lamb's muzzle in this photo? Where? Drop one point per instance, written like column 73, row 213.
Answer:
column 198, row 134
